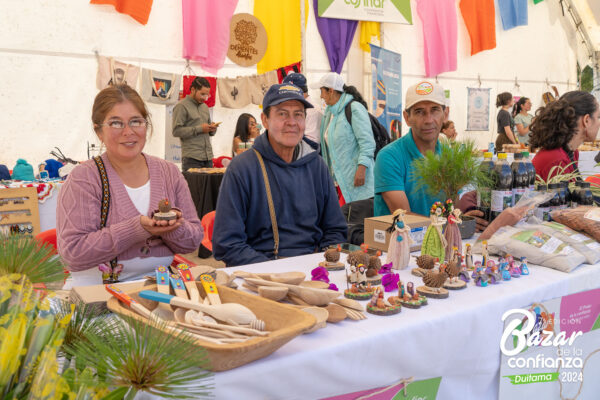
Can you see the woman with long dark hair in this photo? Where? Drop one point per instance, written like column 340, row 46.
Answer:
column 559, row 128
column 506, row 124
column 246, row 131
column 523, row 119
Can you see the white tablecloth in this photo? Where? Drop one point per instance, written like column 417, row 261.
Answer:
column 456, row 338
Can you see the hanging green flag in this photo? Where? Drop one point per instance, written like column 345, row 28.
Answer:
column 537, row 1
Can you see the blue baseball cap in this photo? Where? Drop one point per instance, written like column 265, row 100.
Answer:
column 279, row 93
column 297, row 79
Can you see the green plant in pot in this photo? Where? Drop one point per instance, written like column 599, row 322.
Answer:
column 456, row 166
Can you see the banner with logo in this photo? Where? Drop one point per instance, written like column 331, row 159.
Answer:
column 551, row 350
column 386, row 70
column 405, row 389
column 478, row 109
column 394, row 11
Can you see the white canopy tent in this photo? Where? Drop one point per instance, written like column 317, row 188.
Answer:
column 49, row 67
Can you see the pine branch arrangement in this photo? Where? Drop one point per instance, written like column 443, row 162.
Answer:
column 24, row 255
column 444, row 174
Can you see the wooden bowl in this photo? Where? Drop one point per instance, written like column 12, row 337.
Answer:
column 283, row 321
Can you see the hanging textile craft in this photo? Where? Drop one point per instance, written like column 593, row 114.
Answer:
column 234, row 92
column 137, row 9
column 247, row 40
column 206, row 31
column 187, row 81
column 259, row 84
column 368, row 29
column 513, row 13
column 478, row 109
column 283, row 71
column 160, row 87
column 282, row 22
column 112, row 72
column 337, row 35
column 480, row 19
column 439, row 35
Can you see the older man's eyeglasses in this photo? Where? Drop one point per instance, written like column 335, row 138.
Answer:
column 136, row 125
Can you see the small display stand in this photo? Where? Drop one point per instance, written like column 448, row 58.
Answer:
column 19, row 210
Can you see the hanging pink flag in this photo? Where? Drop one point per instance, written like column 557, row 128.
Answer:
column 206, row 31
column 439, row 35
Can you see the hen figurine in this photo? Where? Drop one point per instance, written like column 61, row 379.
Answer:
column 332, row 258
column 434, row 282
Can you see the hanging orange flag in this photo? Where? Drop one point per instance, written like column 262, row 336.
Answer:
column 137, row 9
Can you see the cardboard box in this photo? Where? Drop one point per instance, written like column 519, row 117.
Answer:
column 376, row 235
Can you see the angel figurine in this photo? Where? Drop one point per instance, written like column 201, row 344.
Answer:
column 452, row 232
column 400, row 241
column 434, row 242
column 469, row 257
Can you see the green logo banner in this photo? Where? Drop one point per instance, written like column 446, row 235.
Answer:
column 532, row 378
column 426, row 389
column 394, row 11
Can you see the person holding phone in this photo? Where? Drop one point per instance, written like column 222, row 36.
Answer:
column 192, row 125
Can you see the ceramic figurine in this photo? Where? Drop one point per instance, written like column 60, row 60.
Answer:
column 332, row 258
column 378, row 305
column 503, row 267
column 523, row 266
column 513, row 269
column 408, row 298
column 453, row 271
column 480, row 277
column 434, row 242
column 452, row 232
column 484, row 252
column 464, row 274
column 469, row 257
column 165, row 212
column 360, row 289
column 425, row 262
column 434, row 280
column 492, row 272
column 400, row 241
column 373, row 268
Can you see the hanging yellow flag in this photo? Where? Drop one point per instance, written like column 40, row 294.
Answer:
column 281, row 20
column 368, row 29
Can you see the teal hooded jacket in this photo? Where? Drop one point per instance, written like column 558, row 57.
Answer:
column 348, row 146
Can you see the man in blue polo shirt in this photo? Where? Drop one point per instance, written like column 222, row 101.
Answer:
column 394, row 186
column 425, row 111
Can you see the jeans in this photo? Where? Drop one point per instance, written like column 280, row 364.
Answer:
column 193, row 163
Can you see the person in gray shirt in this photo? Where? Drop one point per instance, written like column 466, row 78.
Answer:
column 192, row 125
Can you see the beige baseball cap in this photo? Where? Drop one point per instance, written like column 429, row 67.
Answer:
column 425, row 91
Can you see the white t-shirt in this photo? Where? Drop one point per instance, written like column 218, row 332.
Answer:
column 133, row 269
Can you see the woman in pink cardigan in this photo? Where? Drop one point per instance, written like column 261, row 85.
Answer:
column 137, row 182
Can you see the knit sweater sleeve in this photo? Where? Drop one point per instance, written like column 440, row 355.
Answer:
column 188, row 236
column 82, row 244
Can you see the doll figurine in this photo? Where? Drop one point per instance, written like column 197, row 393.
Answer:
column 165, row 212
column 400, row 241
column 484, row 252
column 434, row 242
column 452, row 232
column 469, row 257
column 523, row 266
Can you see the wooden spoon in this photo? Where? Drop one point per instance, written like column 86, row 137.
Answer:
column 336, row 312
column 315, row 284
column 320, row 314
column 315, row 297
column 274, row 293
column 291, row 278
column 228, row 312
column 349, row 303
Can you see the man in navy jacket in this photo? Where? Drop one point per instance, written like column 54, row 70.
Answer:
column 306, row 207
